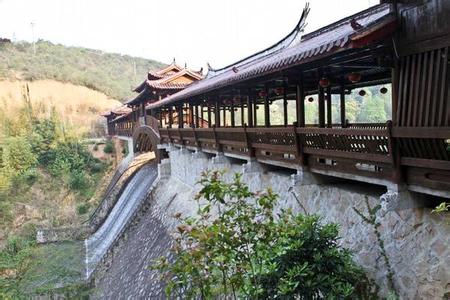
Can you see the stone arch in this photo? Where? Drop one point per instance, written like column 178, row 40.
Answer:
column 146, row 139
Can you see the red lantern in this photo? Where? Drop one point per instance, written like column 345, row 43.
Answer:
column 324, row 82
column 310, row 99
column 362, row 93
column 262, row 94
column 279, row 91
column 354, row 77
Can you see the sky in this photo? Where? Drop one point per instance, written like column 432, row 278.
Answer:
column 193, row 32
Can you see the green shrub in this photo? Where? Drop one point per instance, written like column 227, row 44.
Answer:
column 109, row 147
column 83, row 208
column 18, row 154
column 245, row 252
column 97, row 167
column 78, row 180
column 125, row 149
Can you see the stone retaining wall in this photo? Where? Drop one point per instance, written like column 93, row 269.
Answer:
column 416, row 240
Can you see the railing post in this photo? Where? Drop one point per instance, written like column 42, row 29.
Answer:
column 251, row 151
column 218, row 145
column 197, row 143
column 394, row 151
column 299, row 146
column 168, row 135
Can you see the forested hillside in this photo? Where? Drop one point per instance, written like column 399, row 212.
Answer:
column 50, row 174
column 112, row 74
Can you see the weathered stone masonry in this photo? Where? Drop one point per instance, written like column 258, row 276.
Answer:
column 415, row 239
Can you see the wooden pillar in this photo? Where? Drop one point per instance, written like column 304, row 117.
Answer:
column 342, row 104
column 209, row 115
column 255, row 112
column 217, row 114
column 191, row 115
column 160, row 117
column 285, row 106
column 232, row 113
column 267, row 109
column 249, row 111
column 395, row 92
column 180, row 116
column 170, row 117
column 242, row 112
column 321, row 107
column 224, row 121
column 300, row 104
column 329, row 117
column 197, row 118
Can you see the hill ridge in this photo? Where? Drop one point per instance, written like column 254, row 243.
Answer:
column 113, row 74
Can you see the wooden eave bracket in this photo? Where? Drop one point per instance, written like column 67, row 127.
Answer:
column 375, row 33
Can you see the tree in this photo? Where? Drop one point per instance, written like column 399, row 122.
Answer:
column 18, row 155
column 237, row 248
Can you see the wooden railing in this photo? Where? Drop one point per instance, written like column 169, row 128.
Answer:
column 416, row 156
column 357, row 151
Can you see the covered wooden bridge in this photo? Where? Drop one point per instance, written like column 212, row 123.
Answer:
column 232, row 112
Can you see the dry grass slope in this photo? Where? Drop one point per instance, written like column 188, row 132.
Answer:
column 79, row 107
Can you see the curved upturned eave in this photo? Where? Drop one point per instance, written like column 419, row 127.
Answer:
column 281, row 44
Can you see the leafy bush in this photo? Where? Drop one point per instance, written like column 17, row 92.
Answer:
column 236, row 247
column 109, row 147
column 83, row 208
column 78, row 180
column 18, row 154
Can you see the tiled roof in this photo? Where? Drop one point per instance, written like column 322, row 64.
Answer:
column 289, row 52
column 165, row 83
column 121, row 110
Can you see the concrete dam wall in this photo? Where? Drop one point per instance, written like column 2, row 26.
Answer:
column 414, row 238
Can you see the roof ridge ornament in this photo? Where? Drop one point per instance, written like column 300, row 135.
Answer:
column 174, row 61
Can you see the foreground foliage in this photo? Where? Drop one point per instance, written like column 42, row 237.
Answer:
column 46, row 175
column 238, row 248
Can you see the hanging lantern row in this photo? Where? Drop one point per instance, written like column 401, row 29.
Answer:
column 262, row 94
column 279, row 91
column 324, row 82
column 354, row 77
